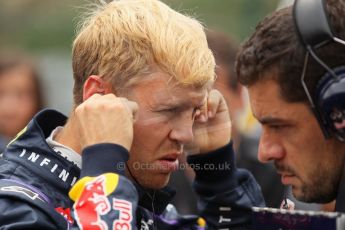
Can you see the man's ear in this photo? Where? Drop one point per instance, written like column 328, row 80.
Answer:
column 95, row 84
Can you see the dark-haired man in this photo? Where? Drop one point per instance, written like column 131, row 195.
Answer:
column 271, row 63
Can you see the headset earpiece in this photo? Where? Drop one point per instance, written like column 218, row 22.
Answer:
column 328, row 103
column 330, row 100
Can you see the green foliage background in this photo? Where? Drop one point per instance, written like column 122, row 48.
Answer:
column 49, row 24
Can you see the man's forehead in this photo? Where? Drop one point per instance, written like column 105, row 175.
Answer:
column 180, row 95
column 161, row 88
column 156, row 99
column 268, row 106
column 265, row 99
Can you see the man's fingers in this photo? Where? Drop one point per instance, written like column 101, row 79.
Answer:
column 93, row 117
column 111, row 98
column 132, row 108
column 201, row 114
column 215, row 103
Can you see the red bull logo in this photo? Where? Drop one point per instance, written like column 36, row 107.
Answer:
column 92, row 204
column 66, row 213
column 125, row 214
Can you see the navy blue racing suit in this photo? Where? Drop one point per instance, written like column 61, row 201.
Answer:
column 40, row 189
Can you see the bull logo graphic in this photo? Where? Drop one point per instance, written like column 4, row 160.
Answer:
column 92, row 204
column 338, row 118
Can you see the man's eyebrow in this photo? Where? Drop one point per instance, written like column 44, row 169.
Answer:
column 271, row 120
column 181, row 104
column 169, row 104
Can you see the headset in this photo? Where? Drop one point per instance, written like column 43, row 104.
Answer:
column 328, row 103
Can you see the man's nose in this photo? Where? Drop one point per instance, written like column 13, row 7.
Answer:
column 269, row 149
column 182, row 130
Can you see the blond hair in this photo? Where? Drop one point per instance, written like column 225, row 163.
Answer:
column 126, row 38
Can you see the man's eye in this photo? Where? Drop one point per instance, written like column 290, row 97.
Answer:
column 169, row 110
column 277, row 127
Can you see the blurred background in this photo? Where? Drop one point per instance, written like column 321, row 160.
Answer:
column 45, row 29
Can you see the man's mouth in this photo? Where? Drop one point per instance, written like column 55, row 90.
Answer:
column 287, row 175
column 286, row 179
column 168, row 163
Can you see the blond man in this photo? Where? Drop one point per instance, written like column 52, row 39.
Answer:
column 143, row 74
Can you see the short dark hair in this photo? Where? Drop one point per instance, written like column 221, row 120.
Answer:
column 274, row 52
column 224, row 49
